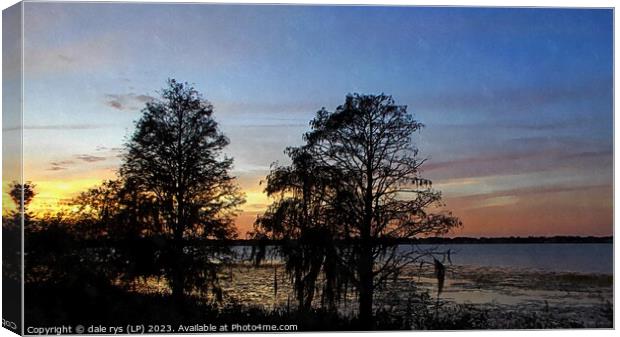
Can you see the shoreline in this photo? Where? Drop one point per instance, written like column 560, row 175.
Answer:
column 449, row 240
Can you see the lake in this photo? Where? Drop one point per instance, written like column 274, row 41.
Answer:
column 572, row 282
column 556, row 257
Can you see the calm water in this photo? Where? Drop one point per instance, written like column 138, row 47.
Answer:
column 521, row 277
column 549, row 257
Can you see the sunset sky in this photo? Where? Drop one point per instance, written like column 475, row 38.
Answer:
column 517, row 103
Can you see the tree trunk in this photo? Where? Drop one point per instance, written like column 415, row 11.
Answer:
column 309, row 284
column 366, row 262
column 178, row 273
column 365, row 272
column 366, row 288
column 178, row 268
column 300, row 291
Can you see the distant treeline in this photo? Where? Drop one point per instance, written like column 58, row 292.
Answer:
column 156, row 241
column 468, row 240
column 518, row 239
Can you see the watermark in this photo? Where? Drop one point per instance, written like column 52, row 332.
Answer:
column 263, row 327
column 50, row 330
column 77, row 329
column 157, row 328
column 9, row 324
column 235, row 327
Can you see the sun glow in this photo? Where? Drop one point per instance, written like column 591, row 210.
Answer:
column 52, row 195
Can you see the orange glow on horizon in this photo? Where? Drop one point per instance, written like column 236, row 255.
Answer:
column 502, row 213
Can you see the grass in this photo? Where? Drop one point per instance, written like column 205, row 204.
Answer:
column 496, row 278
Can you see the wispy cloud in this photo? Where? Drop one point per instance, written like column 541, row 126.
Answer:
column 56, row 168
column 63, row 162
column 60, row 165
column 510, row 197
column 523, row 156
column 128, row 101
column 90, row 158
column 501, row 201
column 102, row 148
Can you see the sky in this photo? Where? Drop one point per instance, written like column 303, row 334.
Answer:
column 517, row 103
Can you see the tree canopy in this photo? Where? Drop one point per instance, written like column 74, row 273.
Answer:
column 357, row 179
column 175, row 156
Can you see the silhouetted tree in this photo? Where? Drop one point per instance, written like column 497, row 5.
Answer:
column 22, row 195
column 116, row 210
column 97, row 209
column 175, row 157
column 12, row 216
column 379, row 194
column 302, row 216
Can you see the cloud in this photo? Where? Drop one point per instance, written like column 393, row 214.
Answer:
column 522, row 156
column 511, row 196
column 89, row 158
column 56, row 168
column 60, row 165
column 501, row 201
column 103, row 148
column 66, row 58
column 128, row 101
column 62, row 162
column 551, row 189
column 115, row 104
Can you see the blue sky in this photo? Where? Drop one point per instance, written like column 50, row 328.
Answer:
column 517, row 103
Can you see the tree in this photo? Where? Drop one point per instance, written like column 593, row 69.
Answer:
column 302, row 217
column 12, row 220
column 22, row 195
column 115, row 210
column 378, row 195
column 97, row 209
column 369, row 139
column 175, row 156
